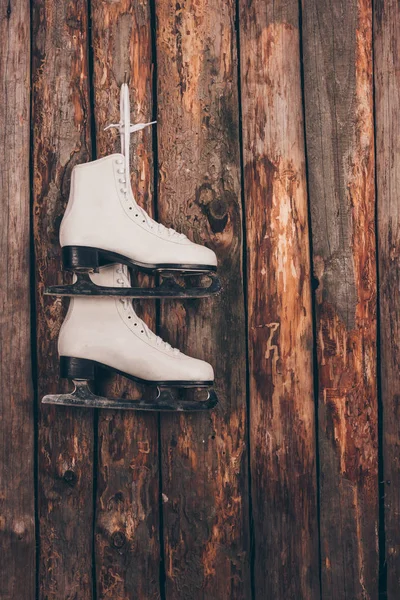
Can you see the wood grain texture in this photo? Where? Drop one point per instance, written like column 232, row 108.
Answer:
column 60, row 140
column 204, row 462
column 337, row 44
column 17, row 520
column 387, row 103
column 127, row 525
column 282, row 431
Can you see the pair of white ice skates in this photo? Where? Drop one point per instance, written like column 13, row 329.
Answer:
column 104, row 234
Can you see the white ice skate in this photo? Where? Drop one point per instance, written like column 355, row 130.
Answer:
column 106, row 333
column 103, row 224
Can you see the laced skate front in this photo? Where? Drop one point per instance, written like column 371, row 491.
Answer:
column 125, row 129
column 159, row 227
column 124, row 281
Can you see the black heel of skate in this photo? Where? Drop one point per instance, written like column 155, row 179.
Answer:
column 76, row 368
column 80, row 258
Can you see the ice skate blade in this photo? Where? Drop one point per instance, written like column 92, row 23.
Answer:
column 164, row 400
column 169, row 288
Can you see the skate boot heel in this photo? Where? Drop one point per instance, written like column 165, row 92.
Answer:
column 80, row 258
column 76, row 368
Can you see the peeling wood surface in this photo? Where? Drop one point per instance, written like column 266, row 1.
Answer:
column 337, row 46
column 60, row 140
column 251, row 112
column 127, row 522
column 204, row 458
column 387, row 99
column 282, row 440
column 17, row 516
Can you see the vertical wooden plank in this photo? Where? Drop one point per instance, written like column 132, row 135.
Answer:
column 340, row 145
column 17, row 521
column 387, row 102
column 279, row 304
column 60, row 140
column 204, row 464
column 127, row 527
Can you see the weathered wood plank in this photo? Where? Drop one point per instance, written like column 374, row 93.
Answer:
column 279, row 305
column 337, row 44
column 387, row 102
column 127, row 527
column 17, row 520
column 60, row 140
column 204, row 464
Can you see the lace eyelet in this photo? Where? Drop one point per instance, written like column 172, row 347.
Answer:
column 136, row 215
column 142, row 331
column 130, row 208
column 129, row 317
column 135, row 324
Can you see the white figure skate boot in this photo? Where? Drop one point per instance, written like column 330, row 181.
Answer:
column 106, row 333
column 103, row 224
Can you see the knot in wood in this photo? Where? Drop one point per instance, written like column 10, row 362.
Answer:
column 217, row 214
column 118, row 539
column 70, row 477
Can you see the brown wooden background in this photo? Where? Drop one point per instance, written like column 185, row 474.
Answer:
column 277, row 144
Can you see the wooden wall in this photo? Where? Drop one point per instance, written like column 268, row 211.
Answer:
column 278, row 145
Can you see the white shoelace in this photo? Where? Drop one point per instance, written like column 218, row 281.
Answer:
column 125, row 129
column 125, row 126
column 124, row 281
